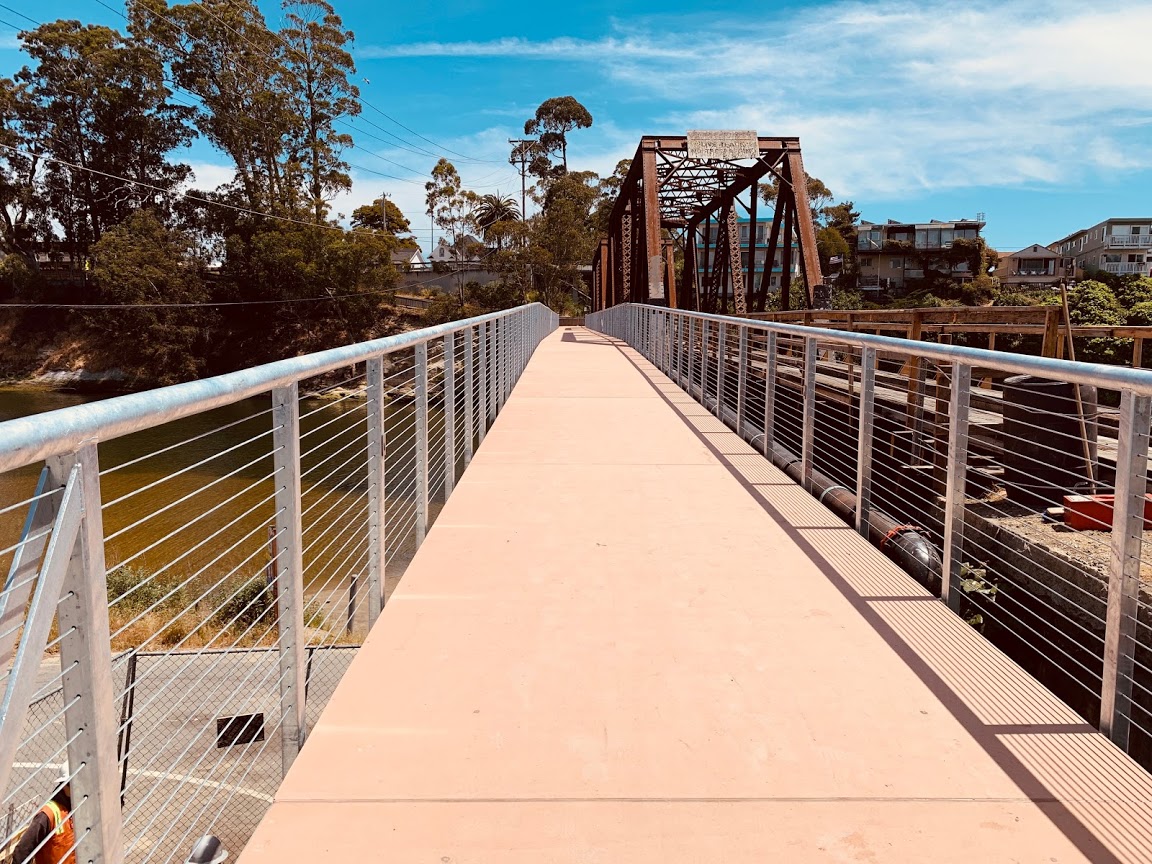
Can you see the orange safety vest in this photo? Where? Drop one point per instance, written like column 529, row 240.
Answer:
column 61, row 846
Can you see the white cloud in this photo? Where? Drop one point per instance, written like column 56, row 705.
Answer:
column 552, row 49
column 208, row 175
column 889, row 98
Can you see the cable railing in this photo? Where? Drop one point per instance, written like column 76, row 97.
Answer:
column 1012, row 486
column 191, row 569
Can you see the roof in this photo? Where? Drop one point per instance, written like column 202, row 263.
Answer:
column 1036, row 250
column 406, row 255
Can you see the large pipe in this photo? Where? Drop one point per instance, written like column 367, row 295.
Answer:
column 904, row 544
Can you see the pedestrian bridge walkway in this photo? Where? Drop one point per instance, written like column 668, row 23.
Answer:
column 629, row 638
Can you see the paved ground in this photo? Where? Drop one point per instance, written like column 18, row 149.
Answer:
column 629, row 639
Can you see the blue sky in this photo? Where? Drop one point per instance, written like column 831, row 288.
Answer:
column 1037, row 114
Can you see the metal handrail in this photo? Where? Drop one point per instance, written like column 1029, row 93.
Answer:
column 40, row 436
column 1138, row 381
column 343, row 503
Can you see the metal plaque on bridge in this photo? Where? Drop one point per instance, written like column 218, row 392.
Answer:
column 731, row 144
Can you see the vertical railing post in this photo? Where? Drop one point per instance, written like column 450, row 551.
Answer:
column 482, row 385
column 741, row 378
column 954, row 497
column 502, row 342
column 865, row 426
column 449, row 414
column 704, row 362
column 808, row 437
column 494, row 402
column 289, row 570
column 667, row 335
column 469, row 395
column 377, row 495
column 421, row 373
column 721, row 367
column 678, row 349
column 770, row 339
column 1124, row 572
column 682, row 350
column 90, row 718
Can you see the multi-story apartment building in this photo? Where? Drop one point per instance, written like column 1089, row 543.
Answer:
column 1120, row 246
column 1034, row 266
column 892, row 255
column 748, row 247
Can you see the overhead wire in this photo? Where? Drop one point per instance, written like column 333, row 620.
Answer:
column 361, row 101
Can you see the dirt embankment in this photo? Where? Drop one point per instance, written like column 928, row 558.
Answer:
column 62, row 357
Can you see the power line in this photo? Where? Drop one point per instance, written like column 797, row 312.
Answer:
column 345, row 122
column 21, row 14
column 363, row 102
column 185, row 195
column 245, row 120
column 249, row 123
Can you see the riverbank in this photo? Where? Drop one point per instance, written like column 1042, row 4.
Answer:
column 66, row 354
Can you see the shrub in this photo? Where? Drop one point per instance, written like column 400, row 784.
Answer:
column 134, row 589
column 247, row 604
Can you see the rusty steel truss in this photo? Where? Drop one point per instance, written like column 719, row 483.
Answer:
column 664, row 214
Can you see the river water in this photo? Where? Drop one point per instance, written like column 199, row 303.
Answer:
column 193, row 500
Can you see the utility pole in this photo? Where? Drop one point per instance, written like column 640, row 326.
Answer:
column 521, row 156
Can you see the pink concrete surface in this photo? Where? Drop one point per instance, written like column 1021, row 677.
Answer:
column 629, row 639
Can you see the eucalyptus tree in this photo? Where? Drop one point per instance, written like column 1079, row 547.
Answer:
column 554, row 119
column 96, row 105
column 317, row 68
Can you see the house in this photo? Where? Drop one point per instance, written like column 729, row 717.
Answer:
column 1034, row 266
column 748, row 247
column 891, row 256
column 408, row 259
column 1120, row 246
column 469, row 252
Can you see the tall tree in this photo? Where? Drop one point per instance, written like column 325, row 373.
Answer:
column 554, row 119
column 224, row 53
column 450, row 207
column 318, row 67
column 98, row 102
column 23, row 214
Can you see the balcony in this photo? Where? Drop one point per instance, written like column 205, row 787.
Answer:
column 1130, row 241
column 1139, row 269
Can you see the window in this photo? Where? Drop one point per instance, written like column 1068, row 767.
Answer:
column 1136, row 259
column 866, row 262
column 775, row 281
column 1110, row 259
column 744, row 233
column 761, row 233
column 1135, row 231
column 896, row 264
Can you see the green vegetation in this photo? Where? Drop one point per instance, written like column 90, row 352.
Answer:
column 101, row 217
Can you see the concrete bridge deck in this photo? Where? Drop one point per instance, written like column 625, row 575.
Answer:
column 630, row 639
